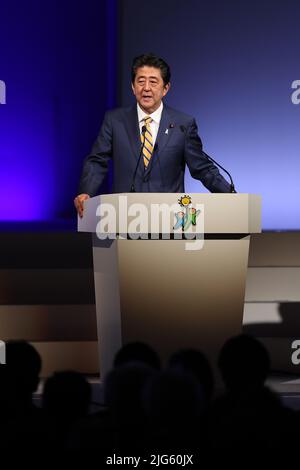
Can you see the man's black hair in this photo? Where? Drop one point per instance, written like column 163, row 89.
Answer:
column 151, row 60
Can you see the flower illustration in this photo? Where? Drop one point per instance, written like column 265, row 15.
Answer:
column 185, row 200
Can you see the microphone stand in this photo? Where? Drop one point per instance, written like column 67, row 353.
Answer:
column 232, row 188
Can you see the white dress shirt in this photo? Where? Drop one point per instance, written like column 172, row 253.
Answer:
column 154, row 125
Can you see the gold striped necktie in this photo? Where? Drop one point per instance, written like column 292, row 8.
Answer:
column 148, row 145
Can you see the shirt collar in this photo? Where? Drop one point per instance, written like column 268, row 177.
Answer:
column 156, row 116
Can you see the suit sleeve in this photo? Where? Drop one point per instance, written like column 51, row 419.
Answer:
column 200, row 167
column 96, row 164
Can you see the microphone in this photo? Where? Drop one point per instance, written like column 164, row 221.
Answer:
column 132, row 188
column 232, row 188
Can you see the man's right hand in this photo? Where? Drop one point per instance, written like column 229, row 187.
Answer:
column 78, row 202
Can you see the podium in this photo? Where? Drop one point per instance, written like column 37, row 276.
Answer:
column 152, row 285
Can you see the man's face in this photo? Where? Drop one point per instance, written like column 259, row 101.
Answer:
column 149, row 88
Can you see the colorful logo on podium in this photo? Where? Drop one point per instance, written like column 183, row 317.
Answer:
column 187, row 216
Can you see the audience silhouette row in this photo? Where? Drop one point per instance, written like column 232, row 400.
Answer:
column 149, row 409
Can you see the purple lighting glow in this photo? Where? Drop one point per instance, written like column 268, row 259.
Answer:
column 52, row 62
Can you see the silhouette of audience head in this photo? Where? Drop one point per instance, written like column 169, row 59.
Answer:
column 137, row 352
column 194, row 362
column 174, row 406
column 66, row 395
column 23, row 364
column 123, row 390
column 244, row 363
column 173, row 398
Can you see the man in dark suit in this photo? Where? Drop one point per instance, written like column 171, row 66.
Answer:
column 150, row 143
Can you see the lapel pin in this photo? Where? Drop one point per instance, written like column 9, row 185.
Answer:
column 167, row 131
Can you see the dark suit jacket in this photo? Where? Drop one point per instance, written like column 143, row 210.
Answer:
column 177, row 145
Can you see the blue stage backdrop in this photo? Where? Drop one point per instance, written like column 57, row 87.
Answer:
column 235, row 67
column 233, row 64
column 57, row 62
